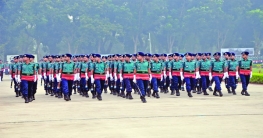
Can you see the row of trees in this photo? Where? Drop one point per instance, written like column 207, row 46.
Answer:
column 124, row 26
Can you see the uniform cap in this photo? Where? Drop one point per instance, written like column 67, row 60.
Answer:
column 128, row 55
column 227, row 53
column 140, row 53
column 217, row 54
column 233, row 54
column 245, row 53
column 199, row 54
column 188, row 54
column 176, row 54
column 68, row 55
column 27, row 55
column 155, row 55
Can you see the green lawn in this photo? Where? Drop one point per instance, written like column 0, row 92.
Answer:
column 256, row 70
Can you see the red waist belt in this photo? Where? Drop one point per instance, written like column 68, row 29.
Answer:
column 189, row 75
column 89, row 73
column 232, row 73
column 27, row 78
column 82, row 75
column 244, row 72
column 176, row 73
column 142, row 76
column 13, row 75
column 48, row 72
column 158, row 76
column 67, row 76
column 204, row 73
column 99, row 76
column 218, row 74
column 128, row 76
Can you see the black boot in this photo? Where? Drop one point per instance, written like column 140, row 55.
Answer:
column 99, row 97
column 194, row 91
column 172, row 92
column 154, row 94
column 143, row 99
column 234, row 92
column 20, row 94
column 182, row 88
column 220, row 93
column 157, row 95
column 127, row 95
column 46, row 92
column 161, row 90
column 26, row 99
column 105, row 90
column 149, row 92
column 246, row 93
column 56, row 94
column 66, row 97
column 243, row 92
column 52, row 93
column 130, row 96
column 93, row 95
column 199, row 92
column 228, row 90
column 114, row 92
column 189, row 94
column 177, row 93
column 210, row 89
column 87, row 94
column 17, row 95
column 33, row 97
column 205, row 93
column 215, row 94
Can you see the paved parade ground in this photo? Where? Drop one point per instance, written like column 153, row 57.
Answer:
column 113, row 117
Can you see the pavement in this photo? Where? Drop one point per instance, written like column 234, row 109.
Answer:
column 234, row 116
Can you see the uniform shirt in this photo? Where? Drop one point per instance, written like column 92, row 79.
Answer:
column 27, row 68
column 142, row 67
column 120, row 66
column 128, row 67
column 100, row 67
column 13, row 67
column 1, row 66
column 205, row 65
column 36, row 66
column 91, row 65
column 233, row 64
column 68, row 67
column 218, row 66
column 156, row 67
column 176, row 65
column 83, row 66
column 245, row 64
column 189, row 66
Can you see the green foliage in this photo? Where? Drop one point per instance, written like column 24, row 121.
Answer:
column 123, row 26
column 257, row 78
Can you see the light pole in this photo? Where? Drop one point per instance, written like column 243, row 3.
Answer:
column 150, row 42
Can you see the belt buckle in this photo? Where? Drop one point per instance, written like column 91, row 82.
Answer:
column 190, row 71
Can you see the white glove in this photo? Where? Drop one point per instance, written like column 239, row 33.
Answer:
column 49, row 77
column 11, row 77
column 170, row 75
column 78, row 76
column 115, row 77
column 106, row 78
column 75, row 77
column 121, row 79
column 161, row 78
column 226, row 73
column 251, row 74
column 210, row 76
column 164, row 74
column 224, row 76
column 45, row 76
column 91, row 79
column 237, row 75
column 134, row 78
column 197, row 75
column 39, row 77
column 107, row 73
column 52, row 77
column 86, row 76
column 18, row 79
column 111, row 78
column 35, row 78
column 58, row 78
column 182, row 76
column 150, row 77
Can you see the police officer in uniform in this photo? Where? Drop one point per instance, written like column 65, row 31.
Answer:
column 205, row 73
column 233, row 73
column 127, row 71
column 245, row 72
column 157, row 75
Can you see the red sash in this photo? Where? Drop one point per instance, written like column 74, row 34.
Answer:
column 189, row 75
column 204, row 73
column 82, row 75
column 67, row 76
column 232, row 73
column 176, row 73
column 218, row 74
column 27, row 78
column 155, row 75
column 99, row 76
column 142, row 76
column 128, row 76
column 244, row 72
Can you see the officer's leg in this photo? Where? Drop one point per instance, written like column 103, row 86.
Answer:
column 98, row 87
column 188, row 86
column 173, row 85
column 82, row 86
column 128, row 86
column 227, row 85
column 154, row 86
column 244, row 84
column 24, row 90
column 204, row 84
column 247, row 82
column 218, row 85
column 65, row 89
column 179, row 83
column 215, row 79
column 15, row 87
column 70, row 88
column 34, row 90
column 141, row 88
column 210, row 85
column 30, row 90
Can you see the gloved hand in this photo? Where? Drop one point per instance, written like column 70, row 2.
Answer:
column 18, row 79
column 75, row 77
column 121, row 79
column 237, row 75
column 251, row 74
column 58, row 78
column 224, row 77
column 134, row 78
column 164, row 74
column 86, row 76
column 161, row 78
column 78, row 76
column 91, row 79
column 170, row 75
column 197, row 75
column 150, row 77
column 111, row 78
column 182, row 76
column 115, row 77
column 52, row 77
column 39, row 77
column 210, row 76
column 226, row 74
column 35, row 78
column 11, row 77
column 45, row 76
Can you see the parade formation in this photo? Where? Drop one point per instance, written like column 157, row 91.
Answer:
column 143, row 73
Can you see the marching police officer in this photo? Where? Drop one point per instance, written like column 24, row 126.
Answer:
column 245, row 72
